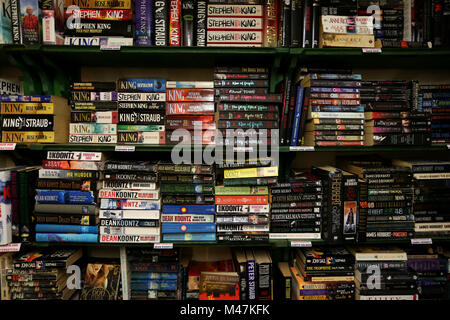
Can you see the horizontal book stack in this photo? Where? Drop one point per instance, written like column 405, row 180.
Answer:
column 388, row 191
column 247, row 114
column 188, row 212
column 323, row 274
column 244, row 206
column 333, row 100
column 390, row 21
column 41, row 274
column 391, row 118
column 430, row 268
column 234, row 25
column 155, row 274
column 395, row 281
column 345, row 31
column 130, row 202
column 66, row 209
column 190, row 113
column 431, row 182
column 435, row 99
column 34, row 119
column 104, row 23
column 141, row 106
column 296, row 208
column 94, row 112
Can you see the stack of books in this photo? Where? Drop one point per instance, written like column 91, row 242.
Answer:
column 435, row 99
column 187, row 202
column 94, row 112
column 66, row 197
column 141, row 105
column 130, row 202
column 34, row 119
column 395, row 280
column 323, row 274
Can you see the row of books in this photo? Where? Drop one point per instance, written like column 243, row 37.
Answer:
column 272, row 23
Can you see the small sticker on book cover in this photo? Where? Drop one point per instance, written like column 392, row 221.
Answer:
column 7, row 146
column 125, row 148
column 371, row 50
column 301, row 244
column 110, row 47
column 422, row 241
column 12, row 247
column 163, row 246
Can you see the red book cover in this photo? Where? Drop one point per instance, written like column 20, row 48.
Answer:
column 174, row 23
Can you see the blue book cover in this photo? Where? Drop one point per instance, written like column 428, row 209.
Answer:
column 153, row 285
column 65, row 228
column 66, row 237
column 142, row 85
column 154, row 276
column 189, row 209
column 183, row 228
column 64, row 197
column 144, row 22
column 297, row 115
column 172, row 237
column 17, row 98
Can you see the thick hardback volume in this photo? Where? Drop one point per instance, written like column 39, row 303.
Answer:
column 5, row 22
column 200, row 22
column 161, row 23
column 350, row 206
column 99, row 28
column 188, row 24
column 307, row 24
column 144, row 23
column 285, row 27
column 270, row 20
column 251, row 275
column 175, row 23
column 16, row 29
column 29, row 16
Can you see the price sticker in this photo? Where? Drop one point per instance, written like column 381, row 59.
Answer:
column 7, row 146
column 295, row 148
column 371, row 50
column 422, row 241
column 163, row 246
column 243, row 149
column 301, row 244
column 110, row 47
column 125, row 148
column 12, row 247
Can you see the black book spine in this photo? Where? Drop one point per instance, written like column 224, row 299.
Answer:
column 161, row 23
column 363, row 211
column 16, row 28
column 315, row 23
column 307, row 32
column 187, row 15
column 285, row 110
column 296, row 22
column 303, row 115
column 200, row 11
column 437, row 21
column 350, row 208
column 286, row 28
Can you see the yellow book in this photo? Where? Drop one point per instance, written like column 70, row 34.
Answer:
column 347, row 40
column 26, row 108
column 251, row 172
column 28, row 137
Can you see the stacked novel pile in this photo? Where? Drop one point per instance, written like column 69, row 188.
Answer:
column 65, row 207
column 436, row 100
column 141, row 105
column 346, row 31
column 391, row 117
column 389, row 193
column 155, row 274
column 390, row 21
column 430, row 269
column 337, row 103
column 22, row 191
column 94, row 112
column 340, row 204
column 130, row 202
column 235, row 25
column 191, row 105
column 383, row 274
column 34, row 119
column 93, row 23
column 245, row 203
column 41, row 275
column 187, row 202
column 323, row 274
column 431, row 200
column 296, row 208
column 244, row 103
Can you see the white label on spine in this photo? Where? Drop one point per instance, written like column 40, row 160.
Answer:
column 12, row 247
column 295, row 148
column 301, row 244
column 48, row 30
column 371, row 50
column 154, row 96
column 125, row 148
column 163, row 246
column 7, row 146
column 422, row 241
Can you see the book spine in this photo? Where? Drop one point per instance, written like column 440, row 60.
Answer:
column 161, row 22
column 201, row 26
column 188, row 25
column 251, row 278
column 286, row 23
column 303, row 116
column 67, row 237
column 57, row 228
column 99, row 28
column 144, row 22
column 307, row 24
column 95, row 4
column 270, row 23
column 264, row 279
column 175, row 23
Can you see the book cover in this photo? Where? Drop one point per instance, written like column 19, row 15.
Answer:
column 101, row 281
column 30, row 17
